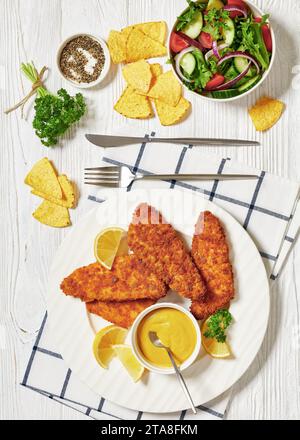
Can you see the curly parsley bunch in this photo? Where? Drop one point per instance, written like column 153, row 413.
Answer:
column 54, row 114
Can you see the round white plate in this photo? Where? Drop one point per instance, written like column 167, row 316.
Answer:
column 74, row 329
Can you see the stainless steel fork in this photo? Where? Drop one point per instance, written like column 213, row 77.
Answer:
column 122, row 177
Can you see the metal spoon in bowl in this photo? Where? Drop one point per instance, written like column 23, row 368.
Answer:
column 157, row 342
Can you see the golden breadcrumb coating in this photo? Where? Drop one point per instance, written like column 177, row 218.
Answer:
column 128, row 280
column 122, row 314
column 161, row 249
column 211, row 255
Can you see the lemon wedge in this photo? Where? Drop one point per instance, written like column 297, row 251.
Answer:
column 104, row 341
column 107, row 244
column 219, row 350
column 129, row 361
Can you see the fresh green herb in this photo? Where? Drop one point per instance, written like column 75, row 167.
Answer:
column 253, row 42
column 188, row 16
column 215, row 23
column 217, row 325
column 212, row 63
column 54, row 114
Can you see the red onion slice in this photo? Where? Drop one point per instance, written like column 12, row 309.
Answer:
column 190, row 41
column 232, row 82
column 215, row 50
column 211, row 52
column 238, row 53
column 232, row 8
column 177, row 62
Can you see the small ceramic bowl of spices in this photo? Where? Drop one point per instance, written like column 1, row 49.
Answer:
column 83, row 60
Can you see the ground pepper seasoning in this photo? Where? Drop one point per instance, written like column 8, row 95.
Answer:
column 82, row 59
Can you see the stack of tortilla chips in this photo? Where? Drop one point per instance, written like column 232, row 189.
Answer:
column 138, row 42
column 57, row 192
column 145, row 83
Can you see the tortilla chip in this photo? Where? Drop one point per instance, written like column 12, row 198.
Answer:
column 68, row 200
column 266, row 112
column 133, row 105
column 43, row 178
column 117, row 46
column 166, row 89
column 53, row 215
column 138, row 75
column 169, row 115
column 157, row 30
column 139, row 47
column 68, row 190
column 156, row 70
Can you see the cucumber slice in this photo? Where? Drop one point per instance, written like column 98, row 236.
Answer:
column 249, row 84
column 231, row 73
column 241, row 64
column 214, row 4
column 188, row 63
column 241, row 82
column 194, row 28
column 225, row 94
column 229, row 33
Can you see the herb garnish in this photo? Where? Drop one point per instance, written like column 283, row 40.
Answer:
column 188, row 16
column 253, row 42
column 217, row 325
column 54, row 113
column 215, row 23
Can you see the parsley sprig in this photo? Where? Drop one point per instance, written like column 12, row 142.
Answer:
column 217, row 325
column 54, row 114
column 215, row 23
column 252, row 40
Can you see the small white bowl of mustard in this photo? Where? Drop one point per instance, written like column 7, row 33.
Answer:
column 177, row 329
column 83, row 60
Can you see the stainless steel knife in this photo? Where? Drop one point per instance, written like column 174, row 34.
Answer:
column 107, row 141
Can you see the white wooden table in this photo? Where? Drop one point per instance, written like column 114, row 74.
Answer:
column 32, row 30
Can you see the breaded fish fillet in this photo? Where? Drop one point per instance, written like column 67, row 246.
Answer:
column 211, row 255
column 161, row 249
column 128, row 280
column 122, row 314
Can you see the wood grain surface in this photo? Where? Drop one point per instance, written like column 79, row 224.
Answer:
column 33, row 30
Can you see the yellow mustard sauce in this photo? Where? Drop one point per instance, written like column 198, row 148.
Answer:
column 175, row 330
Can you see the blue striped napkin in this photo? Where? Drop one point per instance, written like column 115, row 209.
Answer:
column 267, row 208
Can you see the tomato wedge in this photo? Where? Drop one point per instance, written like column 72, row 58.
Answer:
column 266, row 34
column 239, row 4
column 206, row 40
column 216, row 81
column 177, row 43
column 267, row 37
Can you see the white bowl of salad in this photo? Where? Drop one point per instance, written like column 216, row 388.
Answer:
column 222, row 49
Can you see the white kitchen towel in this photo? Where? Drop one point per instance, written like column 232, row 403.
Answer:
column 267, row 208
